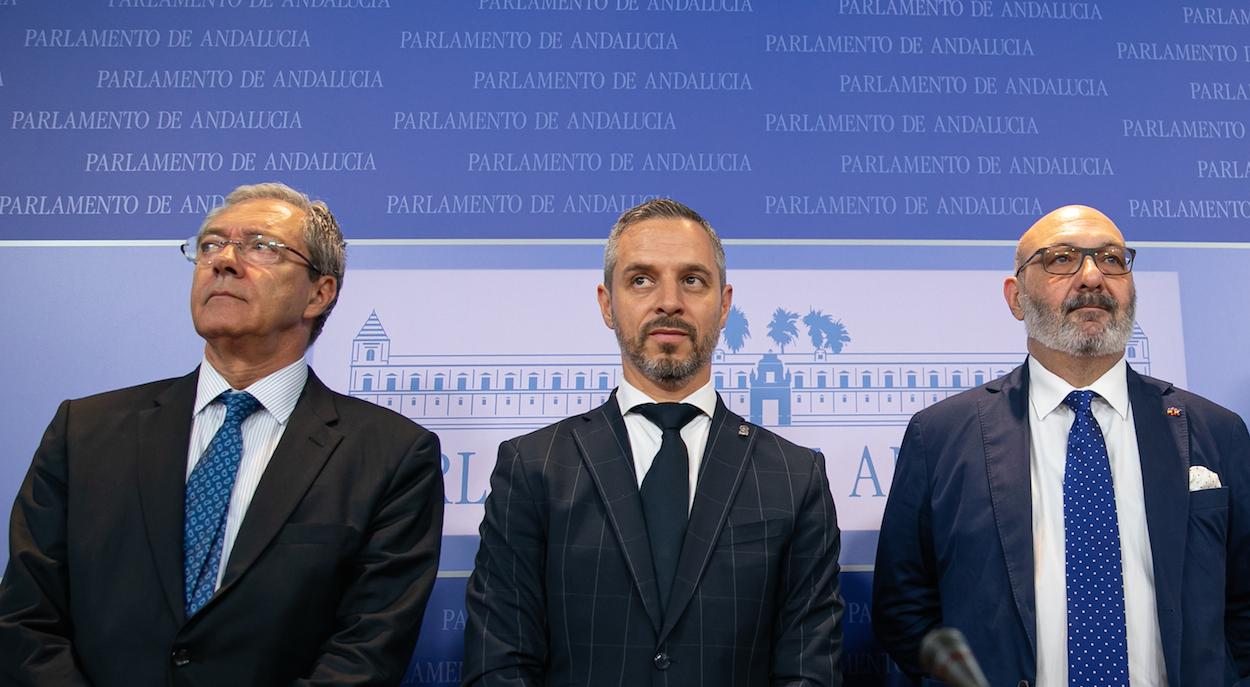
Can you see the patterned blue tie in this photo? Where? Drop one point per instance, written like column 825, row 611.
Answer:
column 208, row 499
column 1097, row 641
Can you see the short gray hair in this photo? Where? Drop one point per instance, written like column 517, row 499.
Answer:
column 652, row 209
column 327, row 251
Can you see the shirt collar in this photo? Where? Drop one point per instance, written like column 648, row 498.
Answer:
column 1047, row 389
column 628, row 397
column 277, row 392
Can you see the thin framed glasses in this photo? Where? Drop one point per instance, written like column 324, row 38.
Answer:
column 254, row 249
column 1062, row 259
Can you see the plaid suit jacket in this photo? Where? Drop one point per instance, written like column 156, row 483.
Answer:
column 564, row 591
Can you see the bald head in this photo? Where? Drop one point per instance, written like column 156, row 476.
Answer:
column 1077, row 225
column 1078, row 313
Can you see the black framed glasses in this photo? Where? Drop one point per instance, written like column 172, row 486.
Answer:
column 1062, row 259
column 255, row 249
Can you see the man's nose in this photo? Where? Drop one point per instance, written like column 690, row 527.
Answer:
column 670, row 297
column 227, row 259
column 1091, row 277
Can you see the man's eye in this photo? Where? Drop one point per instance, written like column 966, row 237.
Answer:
column 694, row 280
column 1112, row 259
column 260, row 245
column 209, row 246
column 640, row 280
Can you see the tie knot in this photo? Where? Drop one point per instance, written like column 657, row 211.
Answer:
column 1079, row 401
column 239, row 405
column 668, row 416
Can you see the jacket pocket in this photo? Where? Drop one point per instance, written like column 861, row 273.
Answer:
column 1208, row 498
column 742, row 533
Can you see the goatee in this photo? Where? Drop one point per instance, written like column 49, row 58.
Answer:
column 666, row 369
column 1053, row 328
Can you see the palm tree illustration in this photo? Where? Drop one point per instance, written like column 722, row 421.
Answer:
column 815, row 321
column 782, row 329
column 836, row 336
column 825, row 332
column 737, row 329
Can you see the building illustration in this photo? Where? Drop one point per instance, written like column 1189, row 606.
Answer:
column 812, row 388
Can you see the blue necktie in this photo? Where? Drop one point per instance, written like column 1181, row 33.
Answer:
column 208, row 499
column 666, row 491
column 1097, row 640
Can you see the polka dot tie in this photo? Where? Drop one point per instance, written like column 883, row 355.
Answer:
column 666, row 491
column 208, row 499
column 1097, row 642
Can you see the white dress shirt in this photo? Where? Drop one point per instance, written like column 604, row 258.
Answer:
column 262, row 430
column 645, row 437
column 1049, row 423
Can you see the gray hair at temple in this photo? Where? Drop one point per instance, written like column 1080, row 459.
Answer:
column 652, row 209
column 327, row 251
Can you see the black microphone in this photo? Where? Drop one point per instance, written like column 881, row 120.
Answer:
column 945, row 655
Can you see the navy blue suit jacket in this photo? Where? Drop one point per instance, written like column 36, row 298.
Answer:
column 956, row 545
column 564, row 592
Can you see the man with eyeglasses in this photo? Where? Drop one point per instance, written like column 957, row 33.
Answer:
column 241, row 525
column 1081, row 524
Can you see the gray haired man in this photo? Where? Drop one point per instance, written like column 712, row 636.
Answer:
column 241, row 525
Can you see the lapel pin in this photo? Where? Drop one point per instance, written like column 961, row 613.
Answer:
column 1173, row 411
column 743, row 430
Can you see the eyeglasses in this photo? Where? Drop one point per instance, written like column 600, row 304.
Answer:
column 254, row 249
column 1111, row 260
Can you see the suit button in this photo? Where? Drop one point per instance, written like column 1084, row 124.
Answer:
column 1022, row 683
column 181, row 657
column 661, row 661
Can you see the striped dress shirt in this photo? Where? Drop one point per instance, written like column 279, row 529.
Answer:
column 278, row 394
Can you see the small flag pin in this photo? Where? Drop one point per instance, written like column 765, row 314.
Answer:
column 1173, row 411
column 743, row 430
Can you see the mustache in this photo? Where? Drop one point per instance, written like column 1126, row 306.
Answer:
column 1085, row 300
column 668, row 322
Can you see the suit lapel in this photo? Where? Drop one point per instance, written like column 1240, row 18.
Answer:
column 1163, row 449
column 306, row 444
column 1003, row 413
column 164, row 432
column 720, row 473
column 604, row 445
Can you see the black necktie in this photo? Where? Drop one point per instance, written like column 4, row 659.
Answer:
column 666, row 491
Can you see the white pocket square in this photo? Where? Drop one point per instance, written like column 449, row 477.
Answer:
column 1201, row 478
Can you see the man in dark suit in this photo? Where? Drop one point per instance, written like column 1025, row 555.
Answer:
column 1080, row 523
column 659, row 539
column 242, row 525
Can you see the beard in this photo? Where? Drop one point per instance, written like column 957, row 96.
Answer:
column 1053, row 329
column 666, row 369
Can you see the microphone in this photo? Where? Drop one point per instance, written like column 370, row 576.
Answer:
column 945, row 655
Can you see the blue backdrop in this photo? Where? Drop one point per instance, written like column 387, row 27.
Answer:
column 873, row 161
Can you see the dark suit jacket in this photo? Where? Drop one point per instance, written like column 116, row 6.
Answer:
column 956, row 544
column 564, row 592
column 325, row 585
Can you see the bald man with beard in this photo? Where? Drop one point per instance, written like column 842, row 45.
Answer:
column 1080, row 523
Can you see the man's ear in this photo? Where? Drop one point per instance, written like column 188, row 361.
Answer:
column 726, row 302
column 1011, row 293
column 325, row 290
column 605, row 306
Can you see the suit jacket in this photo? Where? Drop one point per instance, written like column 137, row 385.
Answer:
column 956, row 545
column 326, row 583
column 564, row 592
